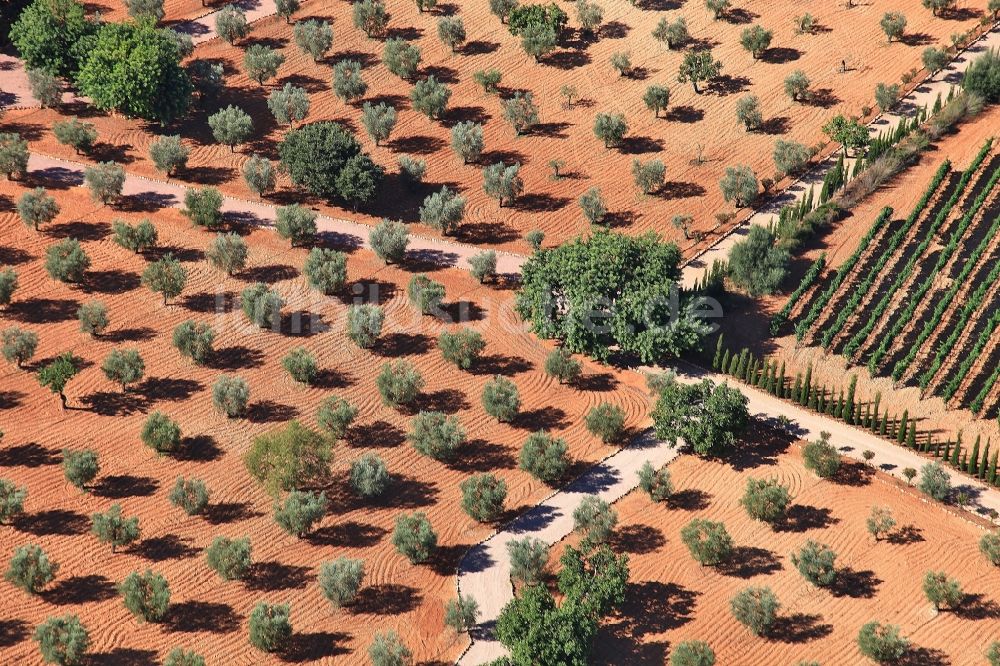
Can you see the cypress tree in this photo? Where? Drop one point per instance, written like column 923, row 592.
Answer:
column 937, row 104
column 984, row 462
column 733, row 364
column 857, row 413
column 838, row 410
column 806, row 385
column 868, row 416
column 718, row 353
column 911, row 436
column 902, row 427
column 724, row 364
column 885, row 423
column 973, row 464
column 964, row 465
column 992, row 476
column 878, row 399
column 751, row 370
column 850, row 399
column 796, row 388
column 893, row 428
column 947, row 450
column 821, row 401
column 780, row 388
column 811, row 399
column 956, row 452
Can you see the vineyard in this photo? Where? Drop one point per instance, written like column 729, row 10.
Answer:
column 916, row 301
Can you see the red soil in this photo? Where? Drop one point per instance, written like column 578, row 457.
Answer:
column 708, row 119
column 209, row 615
column 671, row 598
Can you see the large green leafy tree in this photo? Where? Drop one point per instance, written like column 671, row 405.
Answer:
column 53, row 35
column 537, row 631
column 610, row 290
column 327, row 160
column 707, row 416
column 134, row 68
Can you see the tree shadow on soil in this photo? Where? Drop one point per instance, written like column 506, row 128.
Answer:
column 273, row 576
column 80, row 590
column 802, row 517
column 122, row 656
column 385, row 599
column 167, row 547
column 856, row 584
column 381, row 434
column 29, row 455
column 63, row 522
column 120, row 486
column 542, row 418
column 501, row 364
column 203, row 616
column 13, row 631
column 638, row 539
column 689, row 499
column 800, row 628
column 229, row 512
column 315, row 645
column 348, row 534
column 750, row 561
column 479, row 455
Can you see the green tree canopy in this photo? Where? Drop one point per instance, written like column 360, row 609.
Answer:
column 610, row 290
column 708, row 417
column 315, row 156
column 134, row 68
column 53, row 35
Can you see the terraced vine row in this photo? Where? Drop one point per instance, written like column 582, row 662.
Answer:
column 875, row 315
column 951, row 388
column 916, row 297
column 895, row 241
column 816, row 309
column 815, row 270
column 971, row 305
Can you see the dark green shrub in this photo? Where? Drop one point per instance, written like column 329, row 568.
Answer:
column 146, row 595
column 340, row 580
column 270, row 627
column 113, row 528
column 30, row 569
column 230, row 558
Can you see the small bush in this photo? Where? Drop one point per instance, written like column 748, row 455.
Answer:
column 113, row 528
column 270, row 627
column 656, row 482
column 942, row 591
column 335, row 416
column 544, row 457
column 30, row 569
column 62, row 640
column 11, row 501
column 139, row 238
column 166, row 277
column 35, row 207
column 146, row 595
column 528, row 557
column 399, row 383
column 488, row 80
column 340, row 580
column 230, row 558
column 369, row 475
column 80, row 467
column 756, row 608
column 230, row 395
column 261, row 305
column 169, row 154
column 935, row 482
column 692, row 653
column 191, row 495
column 348, row 85
column 436, row 435
column 414, row 538
column 483, row 496
column 300, row 511
column 160, row 433
column 425, row 294
column 182, row 657
column 501, row 399
column 364, row 324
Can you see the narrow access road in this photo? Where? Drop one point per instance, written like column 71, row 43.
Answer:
column 484, row 572
column 165, row 194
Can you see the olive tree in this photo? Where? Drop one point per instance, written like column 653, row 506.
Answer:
column 113, row 528
column 378, row 120
column 13, row 155
column 66, row 261
column 765, row 500
column 942, row 590
column 692, row 653
column 166, row 277
column 297, row 224
column 886, row 96
column 326, row 270
column 698, row 66
column 560, row 365
column 483, row 496
column 443, row 210
column 544, row 457
column 203, row 207
column 146, row 595
column 35, row 207
column 436, row 435
column 30, row 568
column 425, row 294
column 387, row 649
column 483, row 266
column 45, row 88
column 398, row 383
column 369, row 475
column 797, row 86
column 288, row 104
column 62, row 640
column 18, row 345
column 56, row 374
column 790, row 157
column 389, row 239
column 462, row 347
column 401, row 58
column 231, row 126
column 169, row 154
column 610, row 128
column 606, row 421
column 656, row 98
column 520, row 111
column 935, row 59
column 430, row 97
column 467, row 141
column 816, row 563
column 757, row 263
column 756, row 40
column 460, row 614
column 708, row 542
column 503, row 182
column 756, row 608
column 160, row 433
column 821, row 457
column 934, row 481
column 882, row 643
column 595, row 520
column 340, row 580
column 656, row 482
column 80, row 467
column 414, row 538
column 348, row 85
column 648, row 176
column 364, row 324
column 893, row 25
column 8, row 285
column 230, row 395
column 501, row 399
column 11, row 501
column 300, row 512
column 229, row 558
column 538, row 40
column 270, row 627
column 880, row 522
column 739, row 185
column 138, row 238
column 300, row 364
column 370, row 16
column 194, row 340
column 190, row 495
column 528, row 557
column 227, row 252
column 285, row 8
column 451, row 32
column 123, row 367
column 80, row 136
column 313, row 37
column 592, row 205
column 748, row 112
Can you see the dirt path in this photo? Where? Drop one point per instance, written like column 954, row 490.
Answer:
column 346, row 233
column 484, row 572
column 923, row 95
